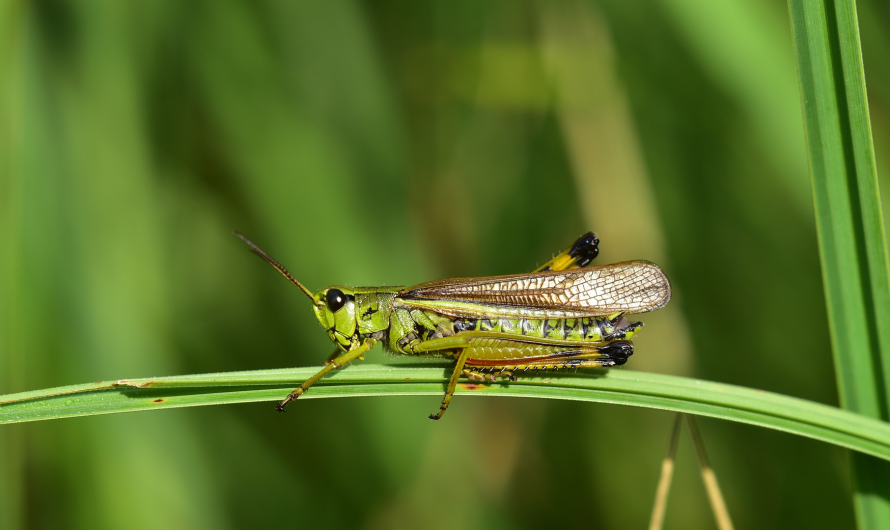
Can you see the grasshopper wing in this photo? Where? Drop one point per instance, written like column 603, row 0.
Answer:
column 626, row 287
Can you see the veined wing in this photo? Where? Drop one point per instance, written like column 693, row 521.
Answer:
column 629, row 287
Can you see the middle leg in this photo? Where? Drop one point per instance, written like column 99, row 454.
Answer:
column 452, row 383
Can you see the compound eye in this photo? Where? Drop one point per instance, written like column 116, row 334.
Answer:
column 335, row 299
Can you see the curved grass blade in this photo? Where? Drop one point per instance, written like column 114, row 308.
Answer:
column 623, row 387
column 849, row 223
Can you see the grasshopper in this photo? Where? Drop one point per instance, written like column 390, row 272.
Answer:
column 565, row 314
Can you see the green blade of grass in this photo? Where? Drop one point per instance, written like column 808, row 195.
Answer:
column 624, row 387
column 849, row 223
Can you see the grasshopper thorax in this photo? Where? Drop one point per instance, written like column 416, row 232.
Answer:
column 335, row 309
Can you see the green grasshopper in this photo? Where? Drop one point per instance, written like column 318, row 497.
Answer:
column 563, row 315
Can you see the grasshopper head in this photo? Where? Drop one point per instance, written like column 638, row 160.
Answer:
column 335, row 309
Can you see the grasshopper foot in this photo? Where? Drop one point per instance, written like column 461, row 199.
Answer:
column 442, row 408
column 290, row 397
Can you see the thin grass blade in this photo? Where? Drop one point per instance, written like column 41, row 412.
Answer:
column 659, row 507
column 849, row 223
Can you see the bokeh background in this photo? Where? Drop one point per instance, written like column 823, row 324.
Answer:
column 388, row 142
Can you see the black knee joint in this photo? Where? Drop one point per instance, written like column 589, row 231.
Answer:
column 586, row 248
column 618, row 351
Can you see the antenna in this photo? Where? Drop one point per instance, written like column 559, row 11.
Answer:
column 279, row 267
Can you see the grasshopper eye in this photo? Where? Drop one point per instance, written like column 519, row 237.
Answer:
column 335, row 299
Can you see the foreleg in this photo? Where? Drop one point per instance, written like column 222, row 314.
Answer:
column 338, row 362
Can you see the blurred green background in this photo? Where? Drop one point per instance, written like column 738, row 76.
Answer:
column 387, row 142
